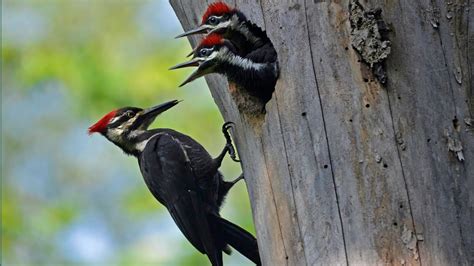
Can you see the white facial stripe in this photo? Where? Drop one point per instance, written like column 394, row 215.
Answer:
column 130, row 121
column 242, row 28
column 114, row 119
column 115, row 133
column 234, row 22
column 224, row 24
column 240, row 61
column 212, row 55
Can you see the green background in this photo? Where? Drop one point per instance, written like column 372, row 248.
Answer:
column 73, row 199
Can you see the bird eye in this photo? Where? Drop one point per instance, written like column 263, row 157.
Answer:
column 129, row 114
column 213, row 20
column 205, row 52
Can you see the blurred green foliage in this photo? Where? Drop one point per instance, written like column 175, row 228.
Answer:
column 72, row 199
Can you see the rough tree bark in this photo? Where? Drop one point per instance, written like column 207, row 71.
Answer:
column 343, row 170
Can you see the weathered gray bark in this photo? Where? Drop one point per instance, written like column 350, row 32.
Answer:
column 345, row 171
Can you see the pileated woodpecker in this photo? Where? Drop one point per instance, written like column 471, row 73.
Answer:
column 234, row 26
column 254, row 75
column 182, row 176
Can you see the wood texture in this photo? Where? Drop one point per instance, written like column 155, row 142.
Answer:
column 343, row 170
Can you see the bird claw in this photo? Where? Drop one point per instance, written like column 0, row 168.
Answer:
column 233, row 182
column 226, row 126
column 241, row 176
column 230, row 147
column 232, row 153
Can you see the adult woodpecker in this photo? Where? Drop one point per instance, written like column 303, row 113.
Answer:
column 233, row 25
column 254, row 75
column 182, row 176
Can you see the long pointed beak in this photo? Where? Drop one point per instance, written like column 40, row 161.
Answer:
column 193, row 62
column 158, row 109
column 148, row 115
column 201, row 29
column 204, row 68
column 196, row 74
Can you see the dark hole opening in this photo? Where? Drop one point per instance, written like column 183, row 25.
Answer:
column 456, row 124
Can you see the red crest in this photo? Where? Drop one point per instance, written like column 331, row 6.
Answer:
column 217, row 9
column 102, row 123
column 211, row 40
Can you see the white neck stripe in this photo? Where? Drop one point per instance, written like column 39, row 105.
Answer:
column 242, row 62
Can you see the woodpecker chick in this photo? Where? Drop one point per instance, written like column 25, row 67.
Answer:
column 233, row 25
column 182, row 176
column 254, row 75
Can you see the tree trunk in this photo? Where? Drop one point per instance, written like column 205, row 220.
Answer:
column 345, row 170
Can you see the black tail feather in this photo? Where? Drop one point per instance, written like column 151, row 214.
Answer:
column 239, row 239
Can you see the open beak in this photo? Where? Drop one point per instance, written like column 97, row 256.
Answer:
column 191, row 63
column 196, row 74
column 204, row 68
column 148, row 115
column 201, row 29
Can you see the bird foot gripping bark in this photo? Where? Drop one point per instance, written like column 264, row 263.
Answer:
column 241, row 176
column 230, row 146
column 229, row 184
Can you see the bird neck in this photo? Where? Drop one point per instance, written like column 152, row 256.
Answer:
column 233, row 63
column 256, row 78
column 245, row 35
column 132, row 142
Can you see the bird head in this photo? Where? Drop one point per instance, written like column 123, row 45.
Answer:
column 208, row 56
column 124, row 126
column 217, row 18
